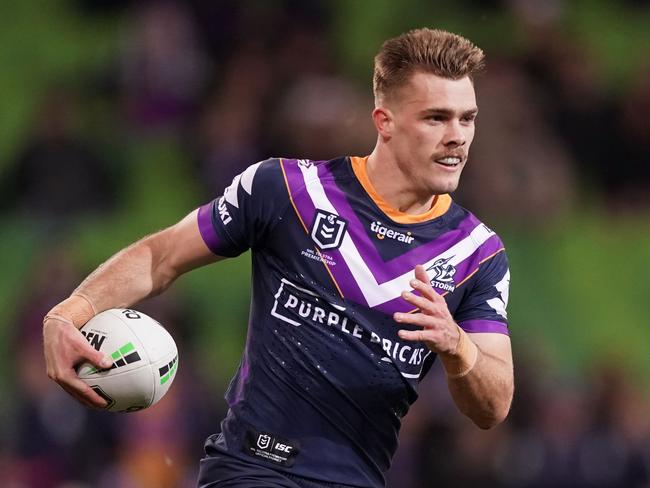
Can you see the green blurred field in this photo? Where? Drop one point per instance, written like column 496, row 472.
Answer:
column 580, row 289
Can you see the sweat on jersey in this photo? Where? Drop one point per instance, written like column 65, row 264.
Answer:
column 324, row 379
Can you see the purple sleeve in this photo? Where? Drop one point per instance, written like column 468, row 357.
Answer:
column 474, row 326
column 483, row 309
column 206, row 227
column 246, row 212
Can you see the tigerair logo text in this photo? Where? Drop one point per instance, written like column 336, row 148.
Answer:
column 443, row 274
column 297, row 306
column 383, row 232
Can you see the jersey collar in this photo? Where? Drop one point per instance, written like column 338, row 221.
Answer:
column 440, row 205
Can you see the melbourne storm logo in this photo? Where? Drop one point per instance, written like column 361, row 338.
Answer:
column 442, row 274
column 328, row 230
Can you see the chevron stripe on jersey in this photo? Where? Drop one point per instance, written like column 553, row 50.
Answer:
column 361, row 274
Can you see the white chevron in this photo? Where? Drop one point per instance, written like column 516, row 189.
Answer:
column 373, row 292
column 246, row 179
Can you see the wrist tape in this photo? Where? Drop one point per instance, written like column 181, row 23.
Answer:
column 76, row 310
column 464, row 358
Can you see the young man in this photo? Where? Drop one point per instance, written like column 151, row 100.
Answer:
column 364, row 270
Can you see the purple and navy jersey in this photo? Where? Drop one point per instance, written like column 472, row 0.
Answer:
column 324, row 379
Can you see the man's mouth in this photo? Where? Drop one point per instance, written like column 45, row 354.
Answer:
column 449, row 161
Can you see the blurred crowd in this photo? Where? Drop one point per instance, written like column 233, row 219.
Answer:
column 230, row 85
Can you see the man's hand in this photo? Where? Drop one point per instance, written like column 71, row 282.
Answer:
column 141, row 270
column 439, row 331
column 66, row 347
column 480, row 379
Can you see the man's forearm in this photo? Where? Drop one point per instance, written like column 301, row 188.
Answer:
column 134, row 273
column 485, row 392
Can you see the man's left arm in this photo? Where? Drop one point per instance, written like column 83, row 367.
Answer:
column 478, row 366
column 484, row 392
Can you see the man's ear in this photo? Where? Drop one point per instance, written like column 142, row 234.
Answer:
column 383, row 120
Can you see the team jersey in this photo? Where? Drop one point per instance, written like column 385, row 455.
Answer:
column 324, row 379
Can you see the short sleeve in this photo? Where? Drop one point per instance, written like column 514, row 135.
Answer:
column 483, row 309
column 247, row 211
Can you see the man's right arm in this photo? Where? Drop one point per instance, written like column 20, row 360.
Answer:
column 144, row 269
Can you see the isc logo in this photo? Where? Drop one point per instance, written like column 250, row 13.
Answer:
column 283, row 447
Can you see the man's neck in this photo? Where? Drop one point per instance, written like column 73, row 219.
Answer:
column 394, row 186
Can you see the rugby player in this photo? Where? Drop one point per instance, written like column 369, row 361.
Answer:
column 364, row 271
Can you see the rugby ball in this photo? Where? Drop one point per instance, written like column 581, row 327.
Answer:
column 145, row 359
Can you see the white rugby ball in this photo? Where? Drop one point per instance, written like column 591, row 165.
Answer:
column 145, row 359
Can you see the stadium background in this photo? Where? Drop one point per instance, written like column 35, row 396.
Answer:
column 118, row 117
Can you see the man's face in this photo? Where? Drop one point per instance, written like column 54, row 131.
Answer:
column 432, row 129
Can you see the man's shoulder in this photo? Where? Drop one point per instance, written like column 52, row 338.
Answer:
column 468, row 221
column 298, row 173
column 321, row 168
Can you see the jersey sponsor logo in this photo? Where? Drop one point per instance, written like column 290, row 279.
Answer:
column 298, row 307
column 443, row 274
column 223, row 211
column 328, row 230
column 271, row 447
column 383, row 232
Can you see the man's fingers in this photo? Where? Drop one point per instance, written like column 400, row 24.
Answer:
column 421, row 283
column 97, row 358
column 82, row 392
column 74, row 394
column 65, row 347
column 421, row 274
column 418, row 319
column 88, row 353
column 415, row 335
column 422, row 303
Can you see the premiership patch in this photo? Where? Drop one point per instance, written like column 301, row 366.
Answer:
column 271, row 447
column 328, row 230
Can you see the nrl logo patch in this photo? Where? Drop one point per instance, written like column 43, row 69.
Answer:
column 263, row 441
column 328, row 230
column 443, row 274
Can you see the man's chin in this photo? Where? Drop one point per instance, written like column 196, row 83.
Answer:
column 440, row 188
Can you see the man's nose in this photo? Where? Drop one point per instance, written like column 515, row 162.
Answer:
column 454, row 134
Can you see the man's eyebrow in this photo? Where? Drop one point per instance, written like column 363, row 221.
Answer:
column 448, row 112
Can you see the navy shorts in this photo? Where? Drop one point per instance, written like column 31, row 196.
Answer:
column 223, row 471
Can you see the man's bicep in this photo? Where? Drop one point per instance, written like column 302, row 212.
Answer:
column 496, row 345
column 186, row 245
